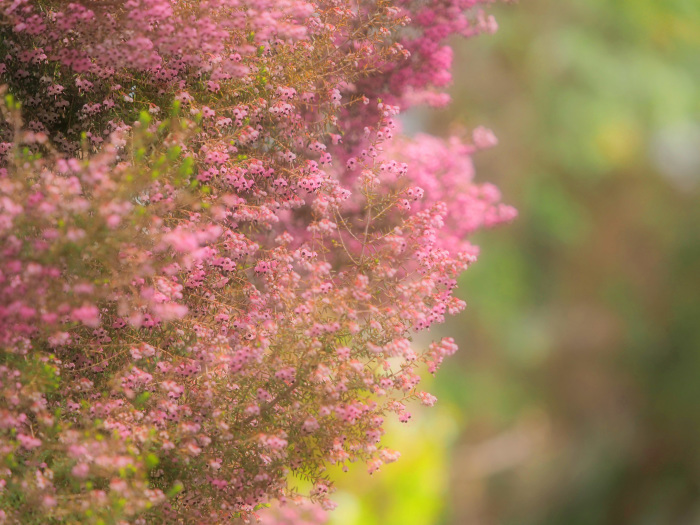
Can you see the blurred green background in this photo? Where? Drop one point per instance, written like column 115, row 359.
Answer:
column 575, row 397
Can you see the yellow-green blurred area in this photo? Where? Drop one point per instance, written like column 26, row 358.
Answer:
column 575, row 397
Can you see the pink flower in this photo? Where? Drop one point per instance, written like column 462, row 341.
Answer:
column 89, row 315
column 28, row 442
column 81, row 470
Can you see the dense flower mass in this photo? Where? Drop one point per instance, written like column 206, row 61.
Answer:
column 215, row 246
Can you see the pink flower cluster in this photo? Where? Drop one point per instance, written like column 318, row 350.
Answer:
column 215, row 246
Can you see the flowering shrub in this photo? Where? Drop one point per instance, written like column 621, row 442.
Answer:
column 214, row 251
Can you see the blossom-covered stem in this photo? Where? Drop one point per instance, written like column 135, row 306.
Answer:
column 216, row 246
